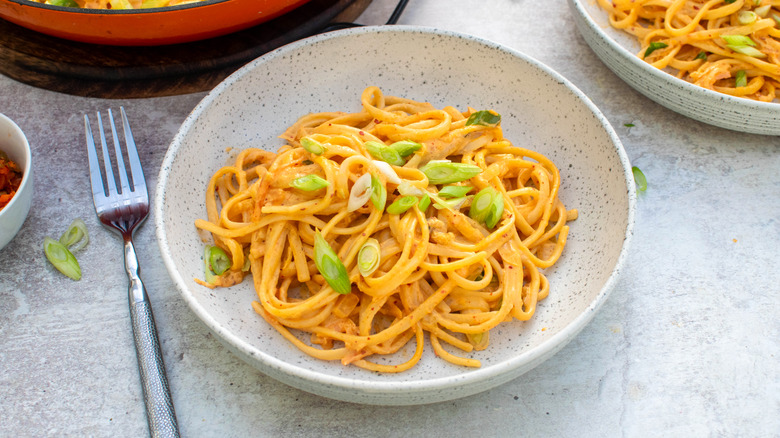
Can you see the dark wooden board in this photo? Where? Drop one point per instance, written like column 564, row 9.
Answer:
column 114, row 72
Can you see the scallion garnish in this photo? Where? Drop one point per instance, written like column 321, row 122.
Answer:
column 450, row 204
column 330, row 266
column 484, row 118
column 65, row 3
column 406, row 147
column 702, row 55
column 454, row 191
column 655, row 45
column 385, row 153
column 378, row 193
column 312, row 145
column 76, row 234
column 742, row 44
column 777, row 18
column 217, row 260
column 368, row 257
column 762, row 11
column 747, row 17
column 401, row 204
column 309, row 183
column 487, row 207
column 424, row 203
column 447, row 172
column 740, row 80
column 360, row 193
column 639, row 178
column 62, row 259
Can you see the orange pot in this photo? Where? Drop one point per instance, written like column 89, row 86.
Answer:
column 147, row 27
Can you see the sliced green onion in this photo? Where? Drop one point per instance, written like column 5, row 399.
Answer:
column 330, row 266
column 762, row 11
column 701, row 55
column 76, row 234
column 424, row 203
column 309, row 183
column 747, row 50
column 368, row 257
column 62, row 259
column 217, row 260
column 487, row 207
column 449, row 204
column 484, row 118
column 777, row 18
column 378, row 193
column 747, row 17
column 388, row 171
column 741, row 79
column 639, row 178
column 406, row 147
column 655, row 45
column 312, row 145
column 728, row 2
column 454, row 191
column 360, row 193
column 400, row 205
column 407, row 188
column 65, row 3
column 478, row 340
column 385, row 153
column 738, row 40
column 447, row 172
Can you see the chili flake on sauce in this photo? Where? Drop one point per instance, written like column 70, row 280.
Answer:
column 10, row 179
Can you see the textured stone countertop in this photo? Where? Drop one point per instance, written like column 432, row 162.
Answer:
column 688, row 344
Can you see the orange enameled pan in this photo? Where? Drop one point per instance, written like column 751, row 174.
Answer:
column 145, row 27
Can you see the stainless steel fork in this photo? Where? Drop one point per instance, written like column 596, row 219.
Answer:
column 122, row 209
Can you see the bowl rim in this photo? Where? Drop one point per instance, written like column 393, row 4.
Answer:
column 118, row 12
column 27, row 168
column 474, row 376
column 699, row 92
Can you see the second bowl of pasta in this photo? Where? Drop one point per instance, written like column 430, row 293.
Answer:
column 411, row 216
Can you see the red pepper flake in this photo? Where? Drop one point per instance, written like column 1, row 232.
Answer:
column 377, row 121
column 362, row 133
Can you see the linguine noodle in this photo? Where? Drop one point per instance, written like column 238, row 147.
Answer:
column 439, row 270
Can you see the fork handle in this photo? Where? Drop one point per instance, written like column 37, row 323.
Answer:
column 157, row 396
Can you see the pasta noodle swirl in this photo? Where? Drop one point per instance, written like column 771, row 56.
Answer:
column 441, row 265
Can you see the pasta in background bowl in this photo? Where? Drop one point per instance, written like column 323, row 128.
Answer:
column 618, row 50
column 540, row 110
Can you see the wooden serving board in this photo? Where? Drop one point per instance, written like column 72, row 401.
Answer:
column 115, row 72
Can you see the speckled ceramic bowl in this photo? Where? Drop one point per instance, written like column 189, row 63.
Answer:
column 14, row 143
column 618, row 51
column 541, row 110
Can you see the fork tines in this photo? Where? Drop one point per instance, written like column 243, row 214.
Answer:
column 129, row 189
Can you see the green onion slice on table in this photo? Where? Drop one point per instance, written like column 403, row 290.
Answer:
column 76, row 236
column 639, row 178
column 330, row 266
column 62, row 259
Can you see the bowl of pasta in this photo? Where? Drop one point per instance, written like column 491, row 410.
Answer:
column 395, row 215
column 141, row 22
column 715, row 62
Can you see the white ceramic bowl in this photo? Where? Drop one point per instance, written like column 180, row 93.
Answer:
column 618, row 51
column 14, row 143
column 541, row 110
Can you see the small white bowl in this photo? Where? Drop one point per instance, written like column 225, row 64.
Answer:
column 617, row 50
column 14, row 143
column 541, row 110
